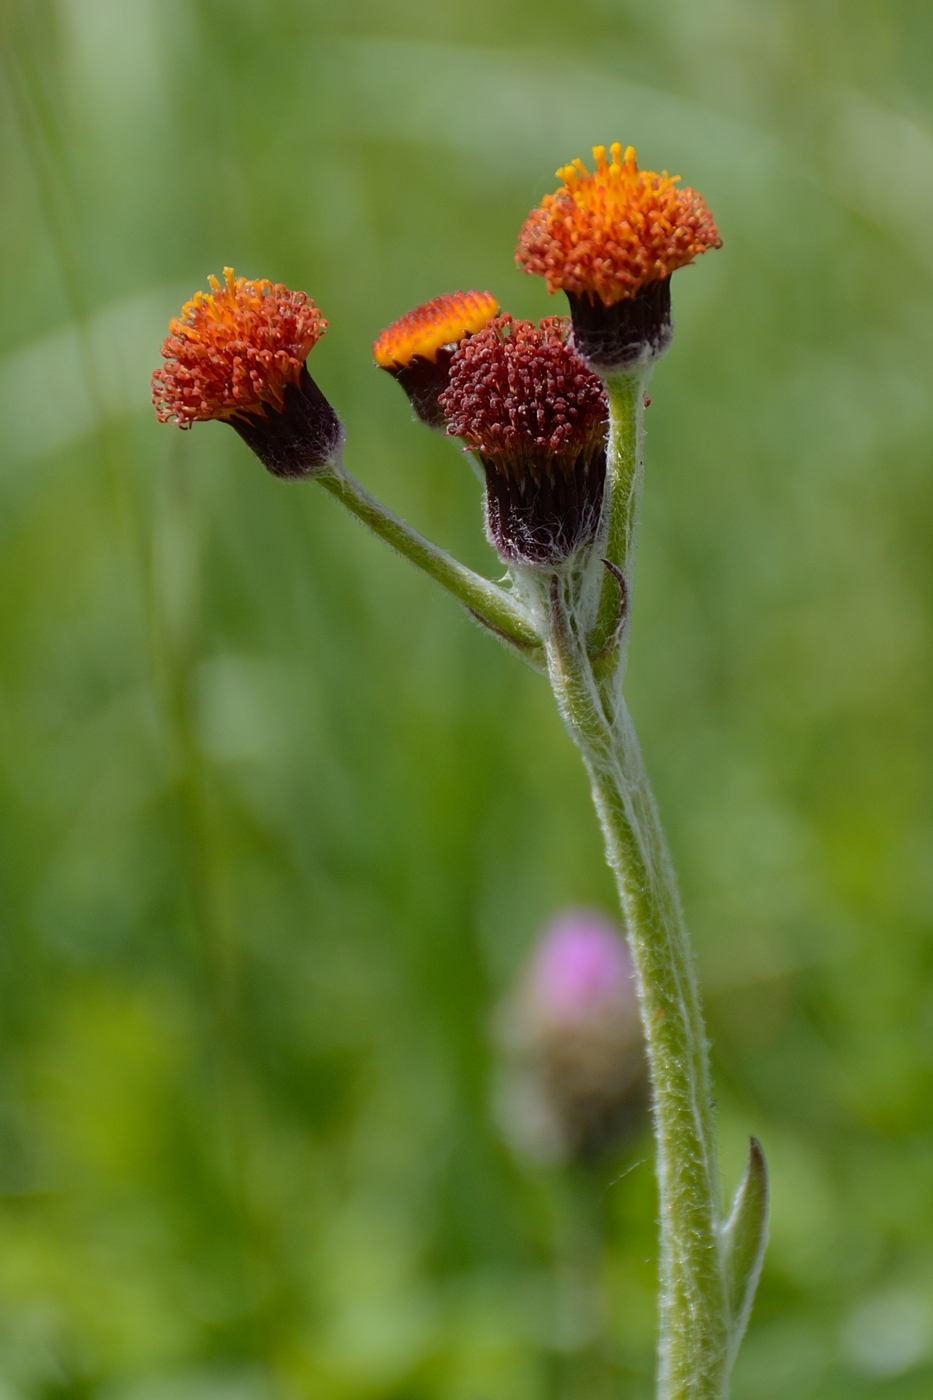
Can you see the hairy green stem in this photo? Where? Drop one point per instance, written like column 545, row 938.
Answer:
column 489, row 604
column 694, row 1315
column 624, row 474
column 575, row 622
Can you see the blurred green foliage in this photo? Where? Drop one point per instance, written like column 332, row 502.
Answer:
column 278, row 824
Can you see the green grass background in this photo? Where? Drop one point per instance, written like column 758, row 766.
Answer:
column 278, row 825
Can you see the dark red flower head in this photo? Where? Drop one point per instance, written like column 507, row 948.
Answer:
column 524, row 402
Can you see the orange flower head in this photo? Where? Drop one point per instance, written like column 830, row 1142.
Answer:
column 237, row 353
column 417, row 348
column 233, row 350
column 439, row 324
column 607, row 234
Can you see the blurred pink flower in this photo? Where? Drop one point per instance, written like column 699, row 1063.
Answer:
column 572, row 1085
column 578, row 967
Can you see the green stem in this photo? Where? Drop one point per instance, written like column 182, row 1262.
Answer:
column 489, row 604
column 624, row 475
column 708, row 1270
column 694, row 1316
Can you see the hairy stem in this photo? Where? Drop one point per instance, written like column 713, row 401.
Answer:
column 624, row 473
column 489, row 604
column 694, row 1314
column 576, row 623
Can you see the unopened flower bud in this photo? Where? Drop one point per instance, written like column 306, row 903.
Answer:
column 536, row 417
column 417, row 348
column 575, row 1083
column 237, row 354
column 611, row 240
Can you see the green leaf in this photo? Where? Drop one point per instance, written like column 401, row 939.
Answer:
column 744, row 1238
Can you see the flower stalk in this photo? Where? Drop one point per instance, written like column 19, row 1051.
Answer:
column 693, row 1324
column 624, row 478
column 708, row 1268
column 495, row 607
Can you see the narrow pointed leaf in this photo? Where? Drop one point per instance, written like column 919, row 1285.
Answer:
column 744, row 1237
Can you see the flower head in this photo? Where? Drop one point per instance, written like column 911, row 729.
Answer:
column 237, row 354
column 608, row 233
column 610, row 239
column 523, row 401
column 574, row 1081
column 417, row 348
column 441, row 323
column 519, row 394
column 233, row 350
